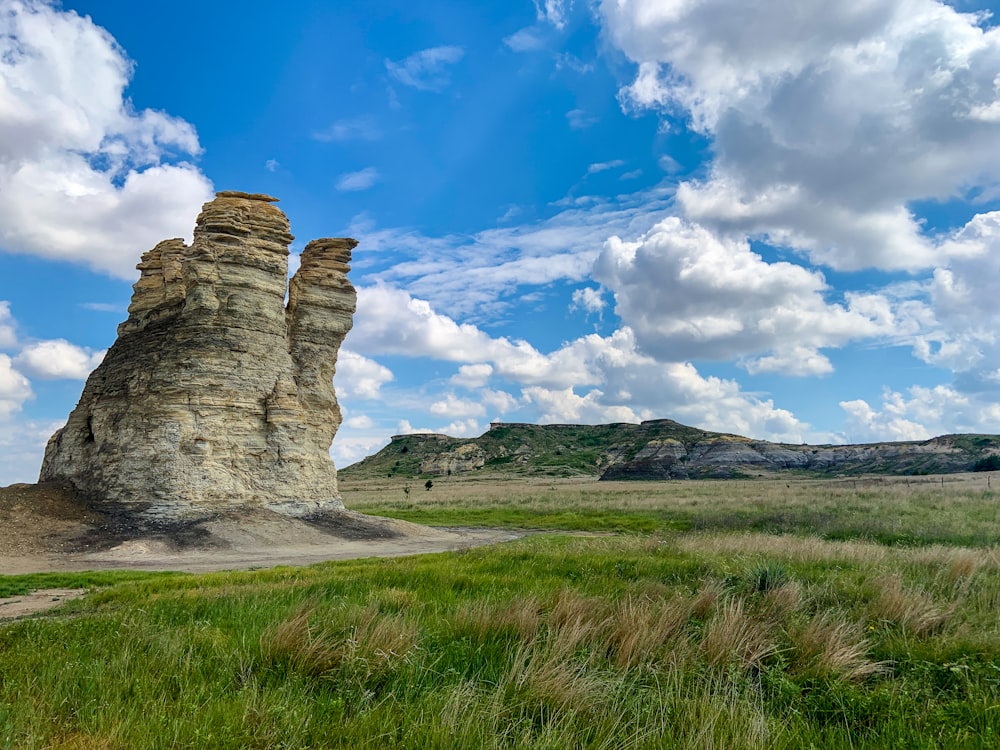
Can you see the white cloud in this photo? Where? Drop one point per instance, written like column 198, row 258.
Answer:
column 359, row 377
column 498, row 402
column 272, row 165
column 473, row 275
column 8, row 332
column 453, row 407
column 528, row 39
column 926, row 413
column 461, row 428
column 568, row 61
column 107, row 307
column 668, row 164
column 603, row 166
column 592, row 378
column 799, row 361
column 827, row 120
column 472, row 376
column 360, row 180
column 553, row 11
column 351, row 444
column 14, row 388
column 627, row 385
column 21, row 449
column 960, row 319
column 360, row 128
column 426, row 70
column 588, row 299
column 360, row 422
column 564, row 406
column 83, row 176
column 689, row 294
column 578, row 119
column 58, row 359
column 390, row 321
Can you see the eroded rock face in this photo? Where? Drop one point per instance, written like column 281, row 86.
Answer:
column 216, row 395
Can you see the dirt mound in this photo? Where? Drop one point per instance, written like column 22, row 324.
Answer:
column 46, row 527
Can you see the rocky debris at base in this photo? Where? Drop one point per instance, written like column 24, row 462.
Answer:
column 47, row 527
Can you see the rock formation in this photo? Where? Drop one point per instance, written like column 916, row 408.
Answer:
column 216, row 394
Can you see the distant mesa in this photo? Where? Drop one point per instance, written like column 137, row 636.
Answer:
column 663, row 449
column 217, row 395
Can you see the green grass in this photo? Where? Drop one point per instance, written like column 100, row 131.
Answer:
column 703, row 638
column 24, row 584
column 893, row 511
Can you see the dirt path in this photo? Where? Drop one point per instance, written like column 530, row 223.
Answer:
column 44, row 528
column 13, row 607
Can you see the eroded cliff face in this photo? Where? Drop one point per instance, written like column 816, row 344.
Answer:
column 216, row 395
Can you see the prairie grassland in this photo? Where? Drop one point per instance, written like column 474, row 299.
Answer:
column 961, row 509
column 696, row 635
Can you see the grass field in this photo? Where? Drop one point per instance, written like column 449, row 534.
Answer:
column 760, row 614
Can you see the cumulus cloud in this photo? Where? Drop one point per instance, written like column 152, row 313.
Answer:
column 690, row 294
column 22, row 449
column 15, row 388
column 83, row 176
column 360, row 180
column 589, row 300
column 827, row 119
column 454, row 407
column 359, row 377
column 391, row 321
column 426, row 70
column 354, row 442
column 58, row 359
column 359, row 422
column 628, row 385
column 592, row 378
column 472, row 376
column 961, row 315
column 791, row 360
column 8, row 333
column 920, row 414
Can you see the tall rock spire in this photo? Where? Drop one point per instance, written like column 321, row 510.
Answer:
column 216, row 395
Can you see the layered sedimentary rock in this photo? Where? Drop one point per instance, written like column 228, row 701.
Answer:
column 217, row 395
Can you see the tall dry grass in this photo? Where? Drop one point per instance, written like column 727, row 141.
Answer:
column 911, row 609
column 362, row 639
column 829, row 646
column 733, row 636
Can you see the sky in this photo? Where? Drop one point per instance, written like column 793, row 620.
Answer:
column 776, row 219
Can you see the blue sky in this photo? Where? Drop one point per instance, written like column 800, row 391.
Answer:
column 778, row 219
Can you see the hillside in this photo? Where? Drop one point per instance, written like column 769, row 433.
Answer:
column 662, row 449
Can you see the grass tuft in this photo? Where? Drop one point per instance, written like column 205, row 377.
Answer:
column 732, row 636
column 830, row 647
column 912, row 610
column 367, row 642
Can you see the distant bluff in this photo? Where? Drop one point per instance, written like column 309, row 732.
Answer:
column 663, row 449
column 217, row 395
